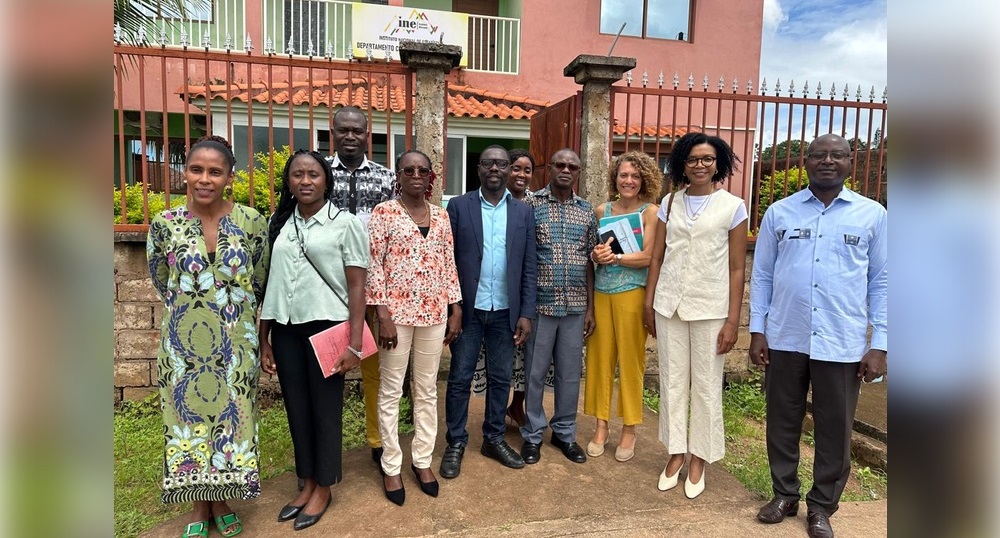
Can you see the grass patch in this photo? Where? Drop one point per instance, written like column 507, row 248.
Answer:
column 651, row 399
column 138, row 450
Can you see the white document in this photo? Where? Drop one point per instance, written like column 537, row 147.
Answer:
column 623, row 232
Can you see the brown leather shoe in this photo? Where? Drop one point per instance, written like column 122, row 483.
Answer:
column 819, row 525
column 776, row 510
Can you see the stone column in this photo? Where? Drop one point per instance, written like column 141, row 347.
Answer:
column 430, row 62
column 596, row 74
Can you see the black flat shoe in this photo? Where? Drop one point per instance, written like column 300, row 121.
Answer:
column 429, row 488
column 304, row 521
column 396, row 496
column 531, row 452
column 289, row 512
column 571, row 450
column 377, row 455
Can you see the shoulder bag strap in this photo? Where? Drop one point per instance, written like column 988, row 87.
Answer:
column 313, row 264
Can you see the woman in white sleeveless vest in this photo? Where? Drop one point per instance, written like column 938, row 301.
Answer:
column 634, row 182
column 697, row 273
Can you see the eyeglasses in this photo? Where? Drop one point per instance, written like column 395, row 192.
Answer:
column 821, row 156
column 566, row 166
column 707, row 160
column 486, row 164
column 411, row 171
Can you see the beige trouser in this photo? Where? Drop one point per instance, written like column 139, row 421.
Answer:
column 691, row 371
column 427, row 343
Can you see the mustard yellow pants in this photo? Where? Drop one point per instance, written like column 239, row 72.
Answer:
column 619, row 340
column 370, row 380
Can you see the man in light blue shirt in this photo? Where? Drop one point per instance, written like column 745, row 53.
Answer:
column 820, row 277
column 496, row 260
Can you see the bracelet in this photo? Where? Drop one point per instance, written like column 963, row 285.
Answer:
column 357, row 353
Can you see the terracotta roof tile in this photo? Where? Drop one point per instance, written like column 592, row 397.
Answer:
column 463, row 101
column 663, row 131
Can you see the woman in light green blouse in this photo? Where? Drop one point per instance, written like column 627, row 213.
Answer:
column 317, row 281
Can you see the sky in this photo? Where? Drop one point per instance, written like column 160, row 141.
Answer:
column 833, row 42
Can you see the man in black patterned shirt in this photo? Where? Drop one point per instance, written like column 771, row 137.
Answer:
column 358, row 186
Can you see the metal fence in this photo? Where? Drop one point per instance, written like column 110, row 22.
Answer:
column 167, row 98
column 768, row 129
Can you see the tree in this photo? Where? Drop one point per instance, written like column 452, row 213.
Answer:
column 788, row 148
column 130, row 15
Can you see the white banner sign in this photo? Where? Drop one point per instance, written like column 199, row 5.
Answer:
column 380, row 28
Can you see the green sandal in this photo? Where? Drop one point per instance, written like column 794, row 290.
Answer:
column 226, row 521
column 198, row 529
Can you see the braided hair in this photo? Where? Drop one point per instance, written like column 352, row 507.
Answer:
column 286, row 202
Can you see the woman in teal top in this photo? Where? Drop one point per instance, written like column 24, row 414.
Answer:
column 619, row 291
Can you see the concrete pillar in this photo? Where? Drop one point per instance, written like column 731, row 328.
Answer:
column 430, row 62
column 596, row 74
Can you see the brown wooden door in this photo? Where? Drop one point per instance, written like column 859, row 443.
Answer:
column 552, row 129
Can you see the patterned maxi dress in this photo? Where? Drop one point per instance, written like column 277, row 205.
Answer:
column 208, row 361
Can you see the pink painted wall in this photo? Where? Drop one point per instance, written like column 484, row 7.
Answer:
column 725, row 41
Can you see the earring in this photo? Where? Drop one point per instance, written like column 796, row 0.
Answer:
column 396, row 189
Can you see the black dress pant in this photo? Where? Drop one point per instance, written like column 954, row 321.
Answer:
column 314, row 403
column 835, row 389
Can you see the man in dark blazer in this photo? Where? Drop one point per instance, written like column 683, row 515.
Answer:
column 497, row 269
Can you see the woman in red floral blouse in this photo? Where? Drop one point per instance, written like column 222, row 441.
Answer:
column 413, row 284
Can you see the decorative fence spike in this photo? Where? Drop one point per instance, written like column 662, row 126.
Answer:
column 722, row 82
column 369, row 54
column 805, row 90
column 871, row 95
column 290, row 47
column 819, row 90
column 185, row 40
column 677, row 80
column 118, row 33
column 858, row 95
column 206, row 39
column 704, row 83
column 736, row 85
column 885, row 94
column 269, row 46
column 163, row 34
column 691, row 82
column 350, row 54
column 248, row 43
column 388, row 55
column 311, row 51
column 229, row 42
column 749, row 86
column 645, row 78
column 847, row 93
column 763, row 85
column 791, row 88
column 833, row 90
column 777, row 87
column 141, row 37
column 659, row 79
column 628, row 78
column 329, row 51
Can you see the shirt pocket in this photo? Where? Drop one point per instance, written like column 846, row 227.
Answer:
column 851, row 247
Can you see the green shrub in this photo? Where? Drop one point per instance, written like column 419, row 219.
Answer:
column 262, row 192
column 783, row 183
column 133, row 204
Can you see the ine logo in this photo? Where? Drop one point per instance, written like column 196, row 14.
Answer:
column 417, row 21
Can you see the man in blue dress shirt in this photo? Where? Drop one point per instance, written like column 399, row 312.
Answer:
column 496, row 259
column 820, row 277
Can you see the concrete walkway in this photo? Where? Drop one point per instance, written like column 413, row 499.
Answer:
column 552, row 498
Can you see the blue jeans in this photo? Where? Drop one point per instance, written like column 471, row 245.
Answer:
column 493, row 329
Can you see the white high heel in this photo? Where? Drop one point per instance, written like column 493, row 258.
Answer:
column 668, row 482
column 692, row 489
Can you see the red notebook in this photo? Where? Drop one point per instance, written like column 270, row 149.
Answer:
column 330, row 344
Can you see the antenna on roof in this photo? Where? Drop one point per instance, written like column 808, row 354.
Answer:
column 615, row 42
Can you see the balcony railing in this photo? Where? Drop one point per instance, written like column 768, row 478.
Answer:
column 319, row 28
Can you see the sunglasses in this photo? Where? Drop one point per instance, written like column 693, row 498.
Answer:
column 566, row 166
column 419, row 171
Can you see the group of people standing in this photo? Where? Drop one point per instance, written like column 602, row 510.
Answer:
column 514, row 281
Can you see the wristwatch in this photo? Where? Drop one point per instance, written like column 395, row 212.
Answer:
column 618, row 259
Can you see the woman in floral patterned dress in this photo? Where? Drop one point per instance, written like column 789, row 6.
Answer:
column 208, row 260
